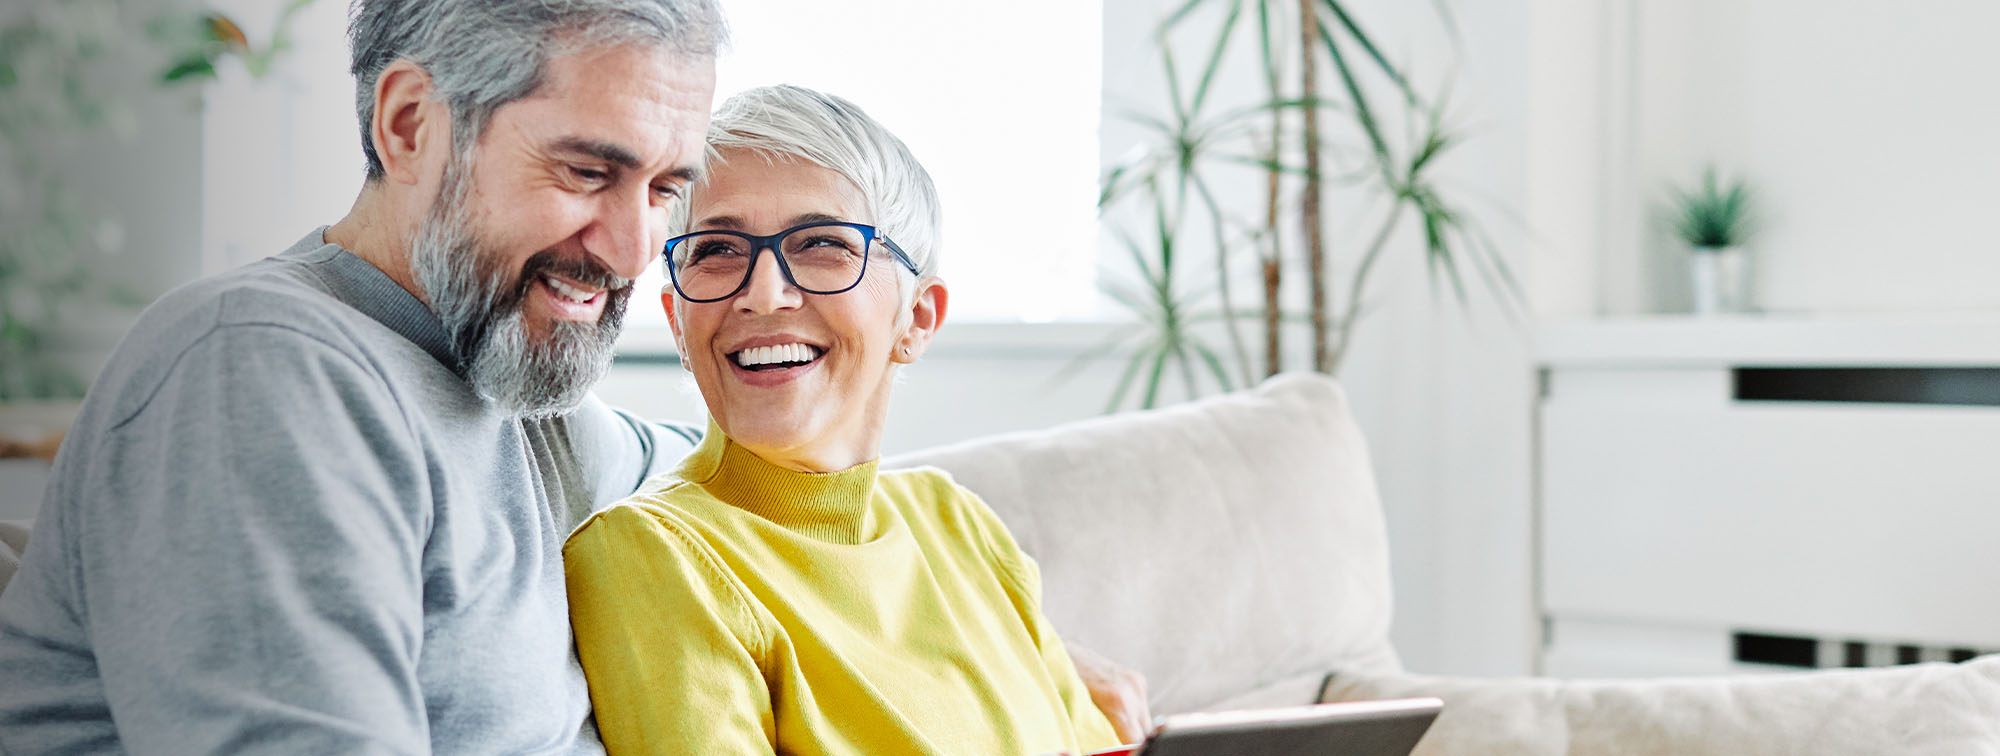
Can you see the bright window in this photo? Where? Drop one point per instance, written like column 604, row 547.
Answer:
column 999, row 101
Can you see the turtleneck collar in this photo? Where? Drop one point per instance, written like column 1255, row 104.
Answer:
column 833, row 507
column 366, row 288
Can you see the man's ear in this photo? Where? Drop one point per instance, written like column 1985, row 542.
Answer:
column 408, row 124
column 926, row 316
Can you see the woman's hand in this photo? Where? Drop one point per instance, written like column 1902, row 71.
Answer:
column 1118, row 691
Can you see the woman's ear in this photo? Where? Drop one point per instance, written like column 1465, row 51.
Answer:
column 926, row 316
column 409, row 126
column 674, row 323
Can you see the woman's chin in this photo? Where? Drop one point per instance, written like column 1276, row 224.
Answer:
column 761, row 430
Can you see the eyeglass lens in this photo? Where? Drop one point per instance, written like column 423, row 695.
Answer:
column 822, row 259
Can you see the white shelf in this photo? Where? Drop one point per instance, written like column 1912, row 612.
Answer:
column 1939, row 339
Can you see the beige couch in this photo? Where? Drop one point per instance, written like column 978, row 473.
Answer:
column 1233, row 550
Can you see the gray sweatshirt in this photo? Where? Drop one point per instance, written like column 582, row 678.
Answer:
column 283, row 524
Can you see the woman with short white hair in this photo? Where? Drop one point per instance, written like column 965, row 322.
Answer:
column 778, row 593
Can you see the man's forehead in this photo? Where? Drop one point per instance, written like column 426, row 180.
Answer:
column 628, row 104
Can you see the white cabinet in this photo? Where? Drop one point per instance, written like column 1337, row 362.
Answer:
column 1703, row 481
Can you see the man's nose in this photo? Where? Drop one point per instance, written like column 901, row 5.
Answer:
column 767, row 290
column 622, row 234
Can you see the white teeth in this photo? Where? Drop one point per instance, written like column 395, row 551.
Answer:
column 567, row 291
column 766, row 355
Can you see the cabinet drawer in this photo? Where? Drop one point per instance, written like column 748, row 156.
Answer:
column 1878, row 521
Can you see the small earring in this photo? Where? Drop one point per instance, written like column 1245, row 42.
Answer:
column 906, row 352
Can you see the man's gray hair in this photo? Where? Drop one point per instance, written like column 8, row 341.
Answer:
column 788, row 121
column 483, row 54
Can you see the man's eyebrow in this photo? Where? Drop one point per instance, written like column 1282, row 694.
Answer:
column 602, row 150
column 690, row 174
column 617, row 155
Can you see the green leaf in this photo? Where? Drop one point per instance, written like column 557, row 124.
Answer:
column 1152, row 397
column 1712, row 217
column 1363, row 113
column 1368, row 45
column 1214, row 364
column 1269, row 57
column 1138, row 254
column 1215, row 55
column 1090, row 356
column 1126, row 379
column 1180, row 14
column 200, row 67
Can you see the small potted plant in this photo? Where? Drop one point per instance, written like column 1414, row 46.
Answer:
column 1714, row 220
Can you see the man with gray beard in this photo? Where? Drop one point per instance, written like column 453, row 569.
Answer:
column 317, row 504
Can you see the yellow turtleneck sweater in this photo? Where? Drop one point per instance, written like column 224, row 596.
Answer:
column 736, row 607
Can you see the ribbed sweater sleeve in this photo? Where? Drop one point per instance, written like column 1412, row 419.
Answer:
column 1091, row 725
column 670, row 647
column 251, row 580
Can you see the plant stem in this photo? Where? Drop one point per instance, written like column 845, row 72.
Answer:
column 1309, row 201
column 1229, row 325
column 1360, row 281
column 1274, row 272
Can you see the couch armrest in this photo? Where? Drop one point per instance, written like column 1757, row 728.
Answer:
column 1915, row 710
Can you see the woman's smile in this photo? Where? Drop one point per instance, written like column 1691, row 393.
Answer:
column 775, row 360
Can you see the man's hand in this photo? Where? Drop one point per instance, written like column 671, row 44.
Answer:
column 1118, row 691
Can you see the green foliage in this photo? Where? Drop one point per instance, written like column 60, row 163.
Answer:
column 195, row 43
column 1167, row 311
column 66, row 72
column 1711, row 216
column 1173, row 175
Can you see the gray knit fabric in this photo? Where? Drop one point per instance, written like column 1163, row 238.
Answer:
column 283, row 524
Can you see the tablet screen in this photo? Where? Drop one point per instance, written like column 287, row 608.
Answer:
column 1360, row 728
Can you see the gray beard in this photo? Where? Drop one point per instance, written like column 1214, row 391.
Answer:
column 480, row 304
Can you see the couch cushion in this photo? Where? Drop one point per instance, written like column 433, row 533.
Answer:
column 1217, row 546
column 1917, row 710
column 1297, row 690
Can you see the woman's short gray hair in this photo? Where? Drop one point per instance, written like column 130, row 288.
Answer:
column 483, row 54
column 796, row 122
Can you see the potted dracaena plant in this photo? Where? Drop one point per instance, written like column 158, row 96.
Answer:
column 1714, row 219
column 1303, row 134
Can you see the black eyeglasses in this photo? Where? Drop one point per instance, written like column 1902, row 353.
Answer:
column 827, row 257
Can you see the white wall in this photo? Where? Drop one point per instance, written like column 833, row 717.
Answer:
column 1867, row 128
column 283, row 153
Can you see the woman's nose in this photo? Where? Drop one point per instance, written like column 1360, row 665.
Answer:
column 767, row 290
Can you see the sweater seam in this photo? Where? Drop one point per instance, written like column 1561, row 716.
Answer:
column 75, row 574
column 985, row 519
column 716, row 574
column 154, row 392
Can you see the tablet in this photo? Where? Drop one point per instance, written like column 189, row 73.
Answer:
column 1359, row 728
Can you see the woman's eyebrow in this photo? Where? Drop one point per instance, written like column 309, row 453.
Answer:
column 734, row 223
column 804, row 218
